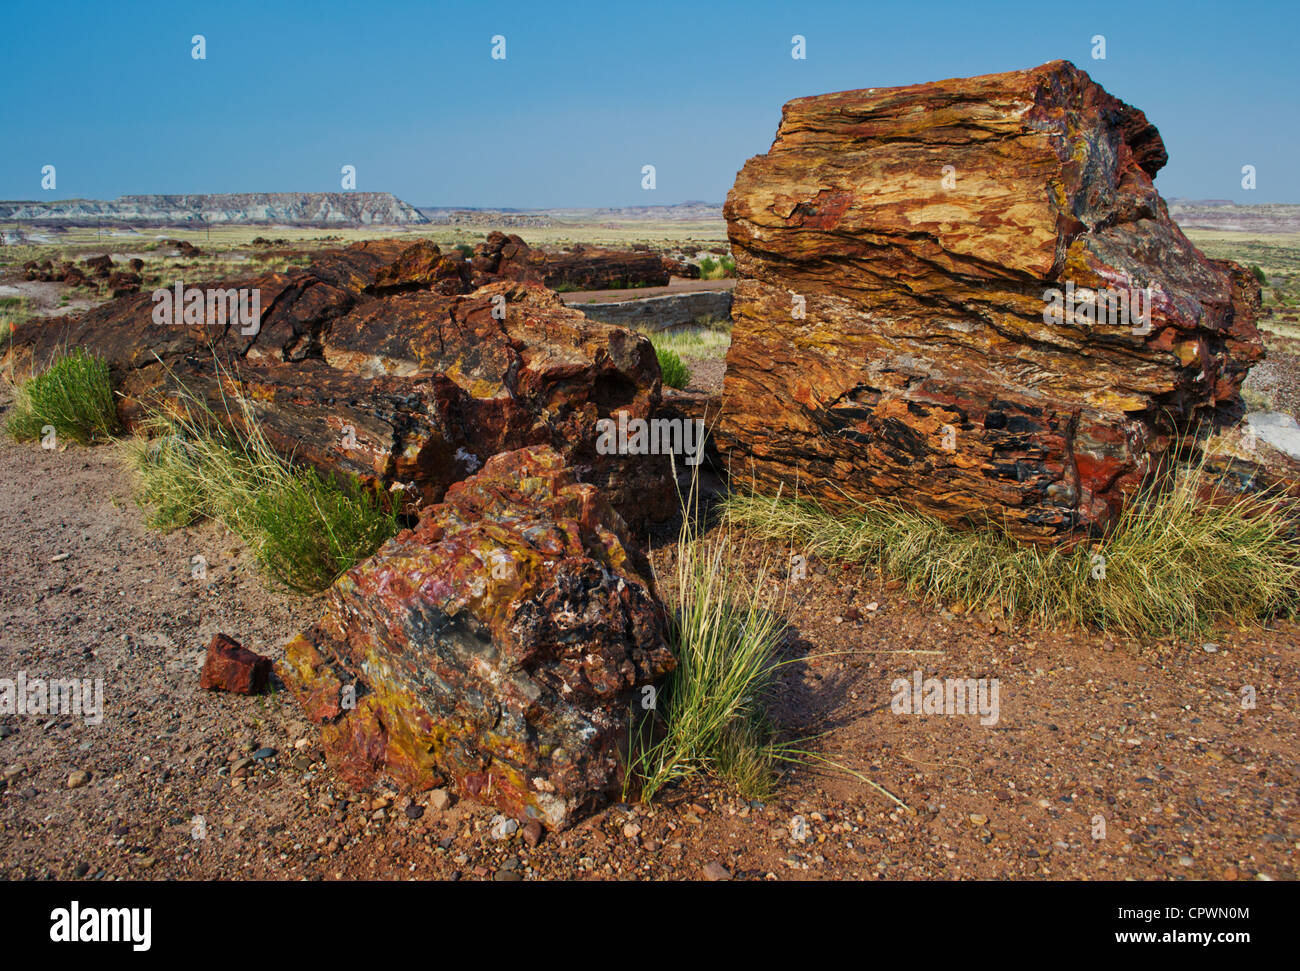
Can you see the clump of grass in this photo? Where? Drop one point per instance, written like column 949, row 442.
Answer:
column 311, row 531
column 303, row 529
column 675, row 372
column 702, row 342
column 1172, row 564
column 711, row 269
column 712, row 713
column 73, row 395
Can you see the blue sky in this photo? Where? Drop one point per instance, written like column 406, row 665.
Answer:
column 589, row 92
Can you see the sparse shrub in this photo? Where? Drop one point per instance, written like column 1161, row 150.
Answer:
column 1172, row 564
column 303, row 529
column 73, row 395
column 675, row 373
column 1259, row 274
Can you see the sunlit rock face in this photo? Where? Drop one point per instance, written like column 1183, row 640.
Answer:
column 968, row 295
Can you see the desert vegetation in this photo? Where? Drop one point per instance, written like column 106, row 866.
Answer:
column 304, row 530
column 708, row 340
column 726, row 630
column 1183, row 555
column 717, row 269
column 73, row 395
column 675, row 373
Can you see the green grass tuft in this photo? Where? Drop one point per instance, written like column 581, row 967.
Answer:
column 1173, row 563
column 703, row 342
column 73, row 395
column 675, row 373
column 711, row 714
column 311, row 531
column 304, row 530
column 721, row 268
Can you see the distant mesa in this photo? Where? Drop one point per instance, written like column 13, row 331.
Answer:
column 241, row 208
column 1222, row 215
column 691, row 211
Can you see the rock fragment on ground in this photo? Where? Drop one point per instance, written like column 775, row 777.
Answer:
column 229, row 666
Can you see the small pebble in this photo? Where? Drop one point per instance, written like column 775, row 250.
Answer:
column 799, row 829
column 503, row 827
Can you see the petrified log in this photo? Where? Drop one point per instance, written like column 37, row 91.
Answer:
column 123, row 283
column 580, row 268
column 424, row 266
column 589, row 268
column 677, row 265
column 905, row 256
column 498, row 643
column 362, row 365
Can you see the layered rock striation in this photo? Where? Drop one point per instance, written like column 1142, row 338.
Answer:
column 969, row 296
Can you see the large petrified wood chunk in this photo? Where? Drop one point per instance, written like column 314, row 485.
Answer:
column 498, row 643
column 898, row 249
column 374, row 363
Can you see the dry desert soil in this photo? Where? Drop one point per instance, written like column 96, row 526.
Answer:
column 1110, row 759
